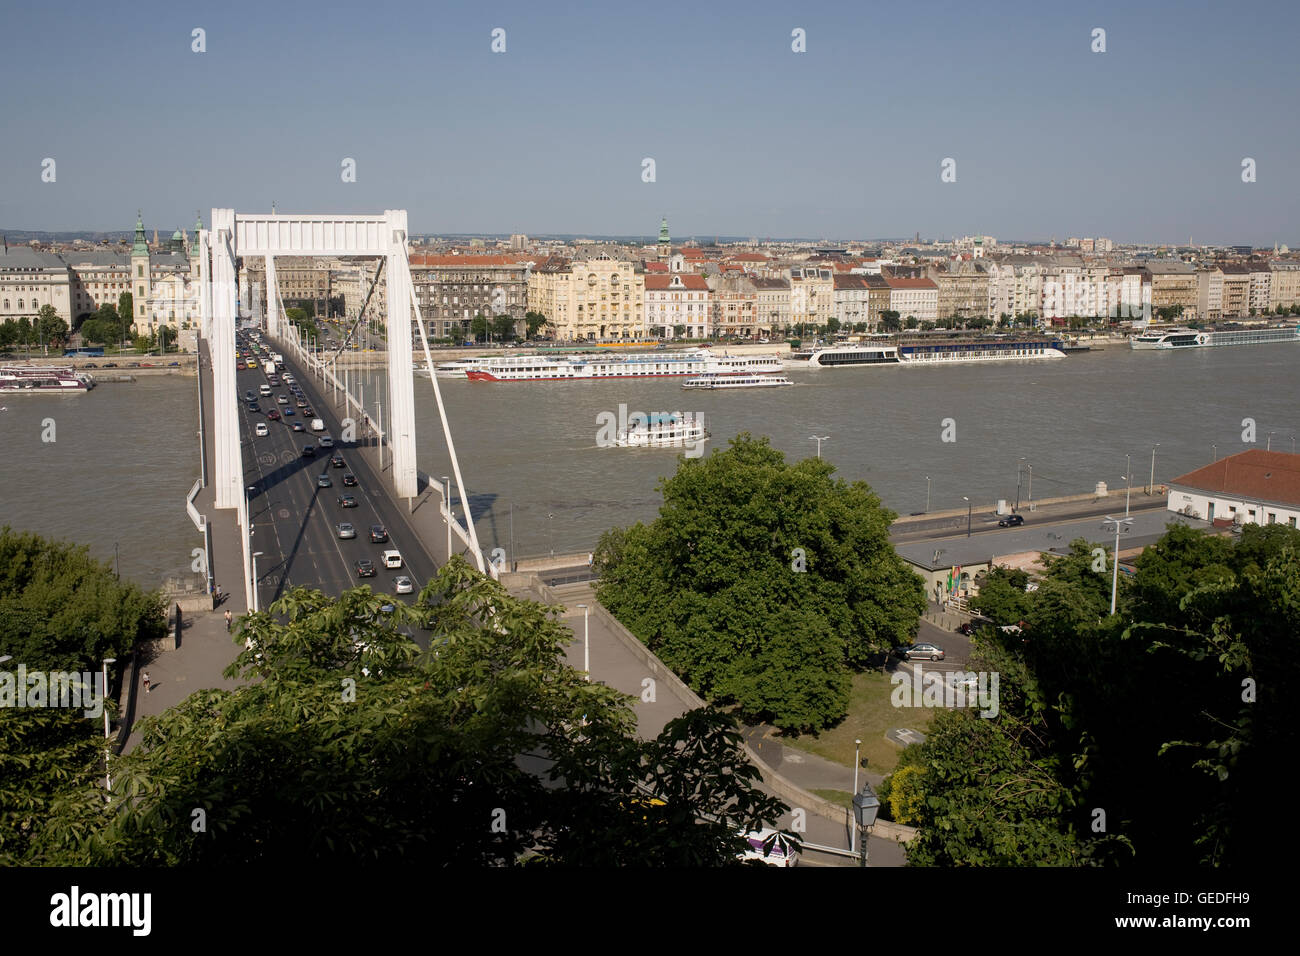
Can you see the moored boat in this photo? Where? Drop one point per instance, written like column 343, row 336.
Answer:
column 43, row 378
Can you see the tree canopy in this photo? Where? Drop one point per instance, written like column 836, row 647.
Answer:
column 763, row 584
column 1143, row 738
column 350, row 743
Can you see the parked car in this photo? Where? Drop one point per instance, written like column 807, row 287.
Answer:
column 346, row 530
column 1011, row 521
column 921, row 652
column 260, row 430
column 365, row 568
column 349, row 480
column 347, row 501
column 378, row 533
column 324, row 481
column 402, row 585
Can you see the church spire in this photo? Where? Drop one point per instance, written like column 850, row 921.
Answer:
column 141, row 247
column 198, row 227
column 665, row 244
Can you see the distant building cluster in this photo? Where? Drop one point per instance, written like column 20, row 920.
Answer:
column 592, row 290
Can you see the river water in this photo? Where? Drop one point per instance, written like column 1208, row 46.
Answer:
column 126, row 454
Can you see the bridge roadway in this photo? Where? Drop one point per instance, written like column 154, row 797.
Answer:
column 294, row 522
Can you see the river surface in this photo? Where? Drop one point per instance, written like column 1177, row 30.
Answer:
column 126, row 454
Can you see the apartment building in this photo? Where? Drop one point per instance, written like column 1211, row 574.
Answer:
column 1284, row 288
column 812, row 295
column 452, row 290
column 677, row 299
column 598, row 298
column 916, row 298
column 1236, row 290
column 1174, row 284
column 963, row 288
column 733, row 304
column 772, row 312
column 31, row 279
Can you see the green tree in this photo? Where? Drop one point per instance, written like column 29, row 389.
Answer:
column 912, row 322
column 51, row 328
column 478, row 327
column 347, row 742
column 503, row 327
column 762, row 583
column 125, row 310
column 96, row 332
column 889, row 320
column 679, row 331
column 1002, row 596
column 535, row 322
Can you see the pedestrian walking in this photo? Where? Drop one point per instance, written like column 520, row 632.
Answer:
column 217, row 592
column 145, row 678
column 228, row 618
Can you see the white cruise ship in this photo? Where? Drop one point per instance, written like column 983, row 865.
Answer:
column 1165, row 339
column 715, row 380
column 930, row 352
column 30, row 379
column 663, row 430
column 540, row 368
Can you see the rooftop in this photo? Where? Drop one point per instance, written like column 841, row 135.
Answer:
column 1255, row 474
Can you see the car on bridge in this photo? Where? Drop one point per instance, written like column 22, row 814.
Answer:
column 345, row 530
column 273, row 416
column 298, row 427
column 347, row 501
column 260, row 430
column 324, row 481
column 349, row 480
column 326, row 441
column 309, row 451
column 366, row 568
column 392, row 559
column 337, row 461
column 378, row 533
column 402, row 585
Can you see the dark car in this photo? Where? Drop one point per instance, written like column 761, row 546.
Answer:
column 309, row 412
column 349, row 480
column 1011, row 521
column 920, row 652
column 309, row 451
column 378, row 533
column 273, row 415
column 337, row 461
column 365, row 568
column 347, row 501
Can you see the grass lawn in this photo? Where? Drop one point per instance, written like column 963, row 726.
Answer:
column 841, row 798
column 870, row 715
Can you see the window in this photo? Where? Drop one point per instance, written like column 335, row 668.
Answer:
column 139, row 272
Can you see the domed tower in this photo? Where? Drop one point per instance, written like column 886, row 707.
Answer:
column 141, row 280
column 665, row 246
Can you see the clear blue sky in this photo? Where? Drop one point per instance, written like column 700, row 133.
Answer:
column 1141, row 143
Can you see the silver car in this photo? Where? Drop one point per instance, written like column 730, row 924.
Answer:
column 402, row 585
column 346, row 530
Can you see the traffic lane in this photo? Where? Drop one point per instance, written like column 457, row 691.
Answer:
column 419, row 564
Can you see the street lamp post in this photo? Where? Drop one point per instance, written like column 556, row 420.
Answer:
column 108, row 780
column 1114, row 582
column 1152, row 490
column 968, row 508
column 1018, row 461
column 1269, row 447
column 857, row 762
column 1029, row 494
column 1128, row 475
column 927, row 510
column 446, row 501
column 1215, row 448
column 819, row 439
column 586, row 641
column 550, row 532
column 256, row 555
column 865, row 807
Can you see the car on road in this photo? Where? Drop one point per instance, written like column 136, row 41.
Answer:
column 392, row 559
column 250, row 396
column 378, row 533
column 326, row 441
column 324, row 481
column 920, row 652
column 310, row 412
column 265, row 390
column 402, row 585
column 260, row 430
column 366, row 568
column 308, row 451
column 349, row 480
column 347, row 501
column 301, row 403
column 290, row 411
column 253, row 407
column 1011, row 521
column 346, row 530
column 273, row 416
column 337, row 461
column 298, row 427
column 282, row 399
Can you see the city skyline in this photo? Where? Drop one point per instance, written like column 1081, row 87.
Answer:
column 847, row 138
